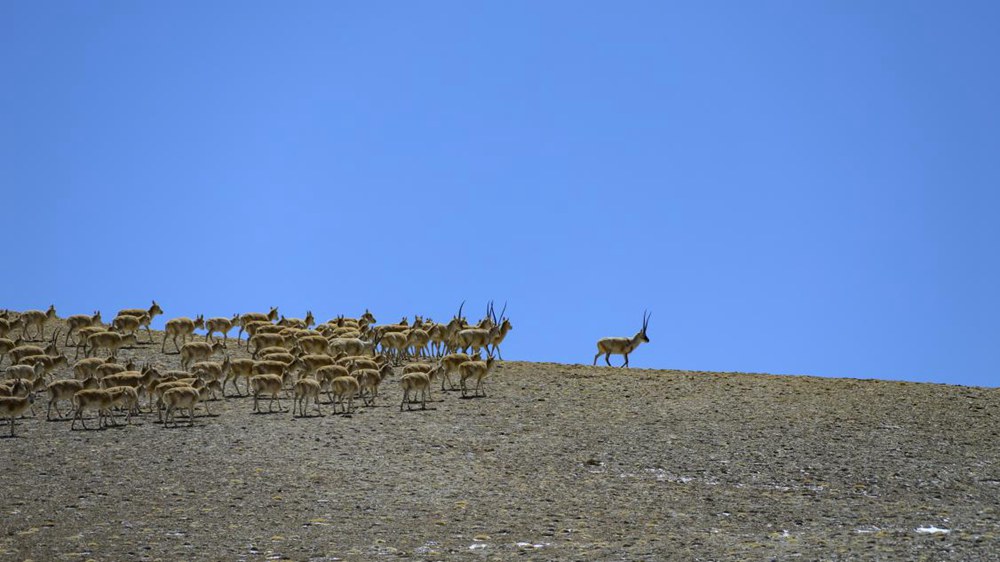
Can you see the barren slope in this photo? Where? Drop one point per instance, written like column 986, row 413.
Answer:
column 558, row 462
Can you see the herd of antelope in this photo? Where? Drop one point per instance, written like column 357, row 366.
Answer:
column 345, row 358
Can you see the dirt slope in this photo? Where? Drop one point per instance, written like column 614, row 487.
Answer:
column 558, row 462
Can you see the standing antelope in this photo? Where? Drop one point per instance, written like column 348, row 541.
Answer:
column 256, row 317
column 477, row 370
column 13, row 406
column 622, row 346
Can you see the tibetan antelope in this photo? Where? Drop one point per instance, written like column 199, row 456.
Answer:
column 36, row 319
column 150, row 313
column 112, row 341
column 92, row 399
column 62, row 390
column 266, row 384
column 195, row 351
column 180, row 398
column 416, row 382
column 477, row 370
column 8, row 325
column 298, row 322
column 13, row 406
column 180, row 327
column 77, row 321
column 304, row 390
column 130, row 324
column 622, row 346
column 221, row 325
column 344, row 387
column 256, row 317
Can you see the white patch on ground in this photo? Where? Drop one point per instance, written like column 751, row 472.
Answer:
column 867, row 529
column 530, row 545
column 932, row 530
column 478, row 546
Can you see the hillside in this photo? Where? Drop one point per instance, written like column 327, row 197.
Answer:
column 558, row 462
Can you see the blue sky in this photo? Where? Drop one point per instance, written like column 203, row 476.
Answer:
column 790, row 187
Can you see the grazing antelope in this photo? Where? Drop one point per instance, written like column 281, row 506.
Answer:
column 13, row 406
column 414, row 382
column 304, row 390
column 195, row 351
column 221, row 325
column 150, row 314
column 37, row 319
column 112, row 341
column 77, row 321
column 92, row 399
column 266, row 384
column 180, row 327
column 180, row 398
column 477, row 370
column 344, row 386
column 249, row 317
column 622, row 346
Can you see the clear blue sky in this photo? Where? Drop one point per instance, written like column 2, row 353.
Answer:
column 790, row 187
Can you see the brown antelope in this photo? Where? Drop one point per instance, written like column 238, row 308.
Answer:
column 180, row 398
column 304, row 390
column 87, row 367
column 36, row 319
column 77, row 321
column 221, row 325
column 239, row 368
column 22, row 351
column 622, row 346
column 260, row 341
column 313, row 345
column 476, row 338
column 249, row 317
column 350, row 346
column 150, row 313
column 22, row 371
column 130, row 324
column 126, row 397
column 266, row 384
column 307, row 364
column 394, row 344
column 477, row 370
column 344, row 386
column 414, row 382
column 49, row 362
column 62, row 390
column 195, row 351
column 13, row 406
column 6, row 346
column 92, row 399
column 416, row 342
column 8, row 325
column 180, row 327
column 298, row 322
column 111, row 341
column 83, row 334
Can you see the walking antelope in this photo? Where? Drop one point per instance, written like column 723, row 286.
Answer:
column 180, row 327
column 256, row 317
column 130, row 324
column 13, row 406
column 221, row 325
column 36, row 318
column 151, row 313
column 622, row 346
column 477, row 370
column 77, row 321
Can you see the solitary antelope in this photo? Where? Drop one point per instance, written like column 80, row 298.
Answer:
column 622, row 346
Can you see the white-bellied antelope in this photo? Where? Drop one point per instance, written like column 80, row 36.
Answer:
column 622, row 346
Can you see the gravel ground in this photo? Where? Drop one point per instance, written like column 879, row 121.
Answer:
column 557, row 462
